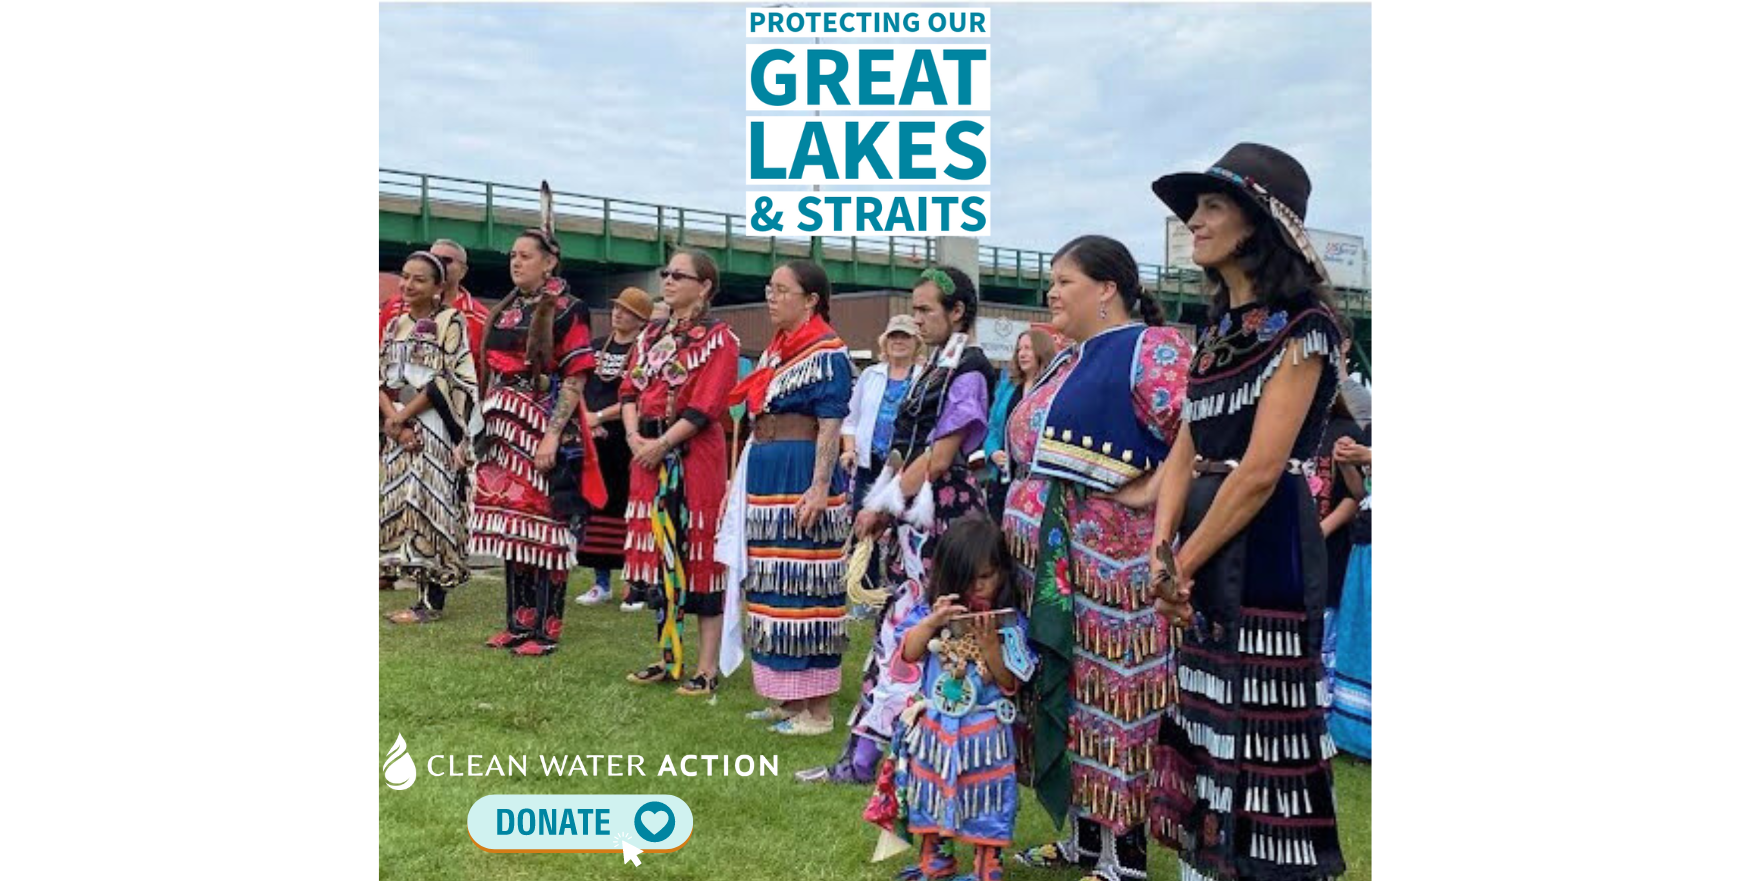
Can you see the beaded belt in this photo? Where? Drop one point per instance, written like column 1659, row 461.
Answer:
column 785, row 426
column 1226, row 466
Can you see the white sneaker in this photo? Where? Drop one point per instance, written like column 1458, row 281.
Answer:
column 592, row 596
column 631, row 607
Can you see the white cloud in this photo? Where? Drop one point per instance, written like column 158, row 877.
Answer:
column 1090, row 104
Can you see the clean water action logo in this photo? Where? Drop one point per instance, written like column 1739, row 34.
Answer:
column 399, row 769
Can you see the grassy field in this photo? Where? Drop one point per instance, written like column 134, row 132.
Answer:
column 446, row 694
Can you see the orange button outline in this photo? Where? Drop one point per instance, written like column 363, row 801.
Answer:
column 619, row 850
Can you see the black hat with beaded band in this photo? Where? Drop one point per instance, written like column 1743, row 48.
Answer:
column 1230, row 370
column 1266, row 177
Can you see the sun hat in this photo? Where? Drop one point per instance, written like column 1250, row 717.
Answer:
column 635, row 301
column 1268, row 178
column 899, row 324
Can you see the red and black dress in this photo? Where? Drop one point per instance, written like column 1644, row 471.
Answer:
column 523, row 515
column 680, row 371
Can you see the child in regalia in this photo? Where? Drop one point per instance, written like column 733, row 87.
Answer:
column 953, row 764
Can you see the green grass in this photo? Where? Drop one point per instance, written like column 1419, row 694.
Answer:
column 449, row 696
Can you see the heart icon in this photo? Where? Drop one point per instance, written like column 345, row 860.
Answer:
column 645, row 821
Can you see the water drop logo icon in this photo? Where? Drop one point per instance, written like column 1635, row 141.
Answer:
column 398, row 768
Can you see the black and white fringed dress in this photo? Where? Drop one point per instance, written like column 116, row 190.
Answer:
column 1243, row 777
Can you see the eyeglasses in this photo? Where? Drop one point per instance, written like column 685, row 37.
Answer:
column 773, row 293
column 677, row 275
column 446, row 261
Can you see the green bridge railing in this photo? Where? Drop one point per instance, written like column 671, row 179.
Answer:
column 632, row 232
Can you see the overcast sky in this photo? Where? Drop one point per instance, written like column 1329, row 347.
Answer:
column 1091, row 102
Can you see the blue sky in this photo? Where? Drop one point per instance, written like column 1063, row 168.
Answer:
column 1090, row 103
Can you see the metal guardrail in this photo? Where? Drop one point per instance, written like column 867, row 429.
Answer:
column 1183, row 286
column 1021, row 264
column 669, row 221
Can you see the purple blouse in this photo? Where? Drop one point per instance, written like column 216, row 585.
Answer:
column 967, row 409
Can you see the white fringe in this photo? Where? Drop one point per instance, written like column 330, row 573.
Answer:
column 517, row 462
column 517, row 405
column 884, row 497
column 1312, row 343
column 696, row 356
column 516, row 552
column 488, row 523
column 764, row 523
column 812, row 369
column 922, row 514
column 811, row 578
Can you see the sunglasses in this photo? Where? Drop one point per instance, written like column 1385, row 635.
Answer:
column 678, row 275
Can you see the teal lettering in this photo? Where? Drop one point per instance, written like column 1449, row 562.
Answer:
column 963, row 59
column 756, row 153
column 897, row 215
column 814, row 150
column 506, row 822
column 955, row 131
column 806, row 206
column 838, row 204
column 908, row 150
column 868, row 76
column 786, row 81
column 946, row 202
column 868, row 212
column 922, row 61
column 966, row 206
column 833, row 81
column 567, row 822
column 859, row 149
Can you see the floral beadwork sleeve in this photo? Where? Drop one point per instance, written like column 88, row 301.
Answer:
column 1157, row 380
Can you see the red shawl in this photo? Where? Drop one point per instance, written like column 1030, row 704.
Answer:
column 787, row 348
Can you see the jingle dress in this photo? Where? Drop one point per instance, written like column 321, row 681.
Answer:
column 603, row 544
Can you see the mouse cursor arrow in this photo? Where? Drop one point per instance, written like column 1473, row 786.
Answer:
column 631, row 853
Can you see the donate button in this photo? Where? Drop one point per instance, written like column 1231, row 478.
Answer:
column 579, row 823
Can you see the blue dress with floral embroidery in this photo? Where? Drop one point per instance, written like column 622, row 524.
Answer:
column 1104, row 405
